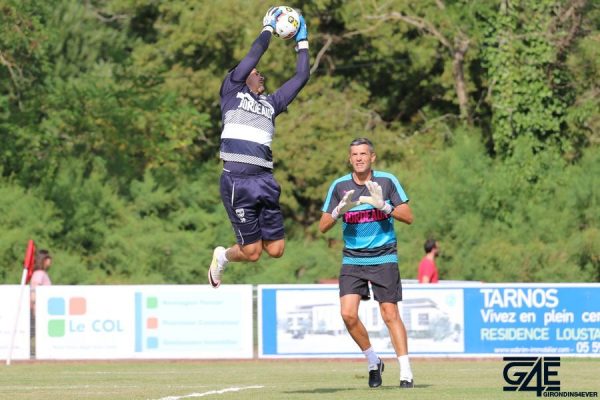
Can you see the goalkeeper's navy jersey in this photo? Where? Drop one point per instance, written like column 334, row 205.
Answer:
column 249, row 119
column 369, row 237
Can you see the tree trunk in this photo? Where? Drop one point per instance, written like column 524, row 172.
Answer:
column 458, row 57
column 457, row 50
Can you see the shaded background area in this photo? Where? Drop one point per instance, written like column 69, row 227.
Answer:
column 487, row 112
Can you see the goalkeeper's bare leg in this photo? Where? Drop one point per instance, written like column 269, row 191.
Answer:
column 237, row 253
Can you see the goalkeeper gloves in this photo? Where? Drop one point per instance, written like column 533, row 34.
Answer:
column 302, row 35
column 345, row 204
column 270, row 19
column 376, row 198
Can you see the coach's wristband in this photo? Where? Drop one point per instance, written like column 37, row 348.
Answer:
column 387, row 208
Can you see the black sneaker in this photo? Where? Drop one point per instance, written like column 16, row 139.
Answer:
column 407, row 384
column 375, row 375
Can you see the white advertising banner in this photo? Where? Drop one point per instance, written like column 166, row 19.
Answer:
column 305, row 321
column 9, row 298
column 441, row 320
column 158, row 321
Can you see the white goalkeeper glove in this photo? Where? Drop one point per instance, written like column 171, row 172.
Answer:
column 270, row 19
column 376, row 198
column 345, row 204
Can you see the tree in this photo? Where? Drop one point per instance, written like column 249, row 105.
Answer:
column 530, row 88
column 446, row 25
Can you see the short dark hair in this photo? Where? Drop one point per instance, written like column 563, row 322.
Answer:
column 359, row 141
column 429, row 245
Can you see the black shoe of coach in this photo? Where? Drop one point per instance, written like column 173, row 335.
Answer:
column 375, row 375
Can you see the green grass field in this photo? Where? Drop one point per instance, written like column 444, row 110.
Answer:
column 272, row 379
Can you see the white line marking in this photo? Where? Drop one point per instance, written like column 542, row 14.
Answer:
column 233, row 389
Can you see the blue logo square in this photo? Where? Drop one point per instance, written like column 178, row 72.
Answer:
column 56, row 306
column 152, row 343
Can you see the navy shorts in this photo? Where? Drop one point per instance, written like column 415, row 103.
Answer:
column 252, row 203
column 384, row 278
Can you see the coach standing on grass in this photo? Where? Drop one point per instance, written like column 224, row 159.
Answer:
column 249, row 191
column 368, row 202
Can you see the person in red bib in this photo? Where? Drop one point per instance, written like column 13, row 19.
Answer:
column 428, row 272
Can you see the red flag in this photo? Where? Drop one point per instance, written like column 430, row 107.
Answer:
column 29, row 261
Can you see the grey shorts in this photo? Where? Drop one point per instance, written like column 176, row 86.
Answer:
column 384, row 278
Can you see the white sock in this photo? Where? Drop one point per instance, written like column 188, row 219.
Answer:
column 405, row 371
column 222, row 258
column 372, row 357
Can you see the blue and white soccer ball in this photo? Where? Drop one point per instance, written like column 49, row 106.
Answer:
column 288, row 23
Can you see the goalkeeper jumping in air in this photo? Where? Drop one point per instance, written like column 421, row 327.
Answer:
column 249, row 191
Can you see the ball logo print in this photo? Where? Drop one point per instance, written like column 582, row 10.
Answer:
column 287, row 23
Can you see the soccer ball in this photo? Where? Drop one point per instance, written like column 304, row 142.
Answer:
column 288, row 23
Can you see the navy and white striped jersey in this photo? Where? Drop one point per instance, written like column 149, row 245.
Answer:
column 369, row 237
column 249, row 119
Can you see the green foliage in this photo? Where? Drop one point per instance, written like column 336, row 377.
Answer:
column 90, row 101
column 530, row 87
column 372, row 49
column 23, row 216
column 507, row 221
column 22, row 29
column 304, row 261
column 313, row 148
column 168, row 233
column 584, row 66
column 110, row 123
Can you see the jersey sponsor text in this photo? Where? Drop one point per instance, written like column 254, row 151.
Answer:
column 358, row 217
column 249, row 104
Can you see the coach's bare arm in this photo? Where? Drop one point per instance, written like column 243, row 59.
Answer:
column 403, row 213
column 326, row 223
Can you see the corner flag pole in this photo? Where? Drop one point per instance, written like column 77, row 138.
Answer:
column 27, row 271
